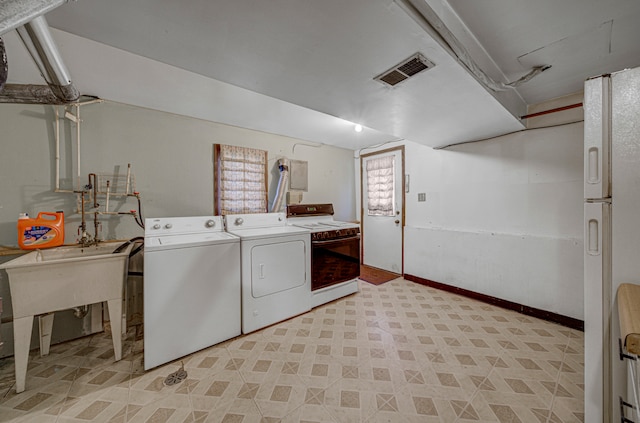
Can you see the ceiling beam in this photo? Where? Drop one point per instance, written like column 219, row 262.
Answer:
column 15, row 13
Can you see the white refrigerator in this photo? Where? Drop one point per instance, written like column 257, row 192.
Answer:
column 612, row 233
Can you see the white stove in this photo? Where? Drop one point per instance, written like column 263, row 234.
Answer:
column 335, row 251
column 320, row 223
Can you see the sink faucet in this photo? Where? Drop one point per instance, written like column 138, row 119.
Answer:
column 86, row 240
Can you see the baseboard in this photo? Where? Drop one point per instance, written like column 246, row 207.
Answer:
column 569, row 322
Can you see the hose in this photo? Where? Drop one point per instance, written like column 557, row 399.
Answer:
column 124, row 245
column 138, row 217
column 283, row 165
column 138, row 248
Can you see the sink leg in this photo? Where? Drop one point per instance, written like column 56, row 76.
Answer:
column 115, row 311
column 45, row 323
column 21, row 343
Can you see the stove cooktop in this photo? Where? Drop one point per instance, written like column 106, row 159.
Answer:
column 318, row 218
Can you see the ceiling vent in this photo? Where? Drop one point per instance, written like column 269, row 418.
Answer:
column 405, row 70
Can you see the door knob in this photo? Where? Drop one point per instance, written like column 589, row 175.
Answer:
column 397, row 221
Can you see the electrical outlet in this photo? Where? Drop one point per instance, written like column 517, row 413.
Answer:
column 422, row 196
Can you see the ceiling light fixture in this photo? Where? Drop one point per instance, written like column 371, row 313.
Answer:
column 358, row 127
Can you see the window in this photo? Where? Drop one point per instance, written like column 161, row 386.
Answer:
column 240, row 183
column 380, row 186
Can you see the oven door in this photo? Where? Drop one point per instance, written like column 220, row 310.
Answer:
column 334, row 261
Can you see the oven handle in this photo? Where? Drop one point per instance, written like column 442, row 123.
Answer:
column 330, row 241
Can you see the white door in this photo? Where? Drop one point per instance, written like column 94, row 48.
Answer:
column 625, row 235
column 277, row 267
column 383, row 209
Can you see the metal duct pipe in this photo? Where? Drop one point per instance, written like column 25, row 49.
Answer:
column 283, row 165
column 4, row 69
column 37, row 39
column 30, row 94
column 43, row 50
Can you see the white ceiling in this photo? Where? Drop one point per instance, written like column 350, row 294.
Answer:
column 579, row 38
column 323, row 55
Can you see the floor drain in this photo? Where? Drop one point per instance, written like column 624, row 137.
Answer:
column 176, row 377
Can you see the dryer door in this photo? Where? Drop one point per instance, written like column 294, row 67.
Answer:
column 277, row 267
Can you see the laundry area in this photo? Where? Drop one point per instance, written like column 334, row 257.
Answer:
column 338, row 211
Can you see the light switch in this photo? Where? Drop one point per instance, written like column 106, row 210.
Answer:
column 422, row 196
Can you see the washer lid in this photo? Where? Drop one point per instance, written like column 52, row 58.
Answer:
column 187, row 240
column 269, row 232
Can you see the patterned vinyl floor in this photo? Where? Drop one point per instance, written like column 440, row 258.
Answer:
column 397, row 352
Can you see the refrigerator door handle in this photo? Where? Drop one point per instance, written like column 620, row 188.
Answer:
column 594, row 236
column 594, row 165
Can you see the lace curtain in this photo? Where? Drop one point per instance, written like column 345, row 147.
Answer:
column 241, row 180
column 380, row 186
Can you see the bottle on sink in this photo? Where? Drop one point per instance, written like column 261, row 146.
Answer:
column 45, row 231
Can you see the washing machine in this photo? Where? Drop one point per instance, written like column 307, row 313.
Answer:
column 191, row 286
column 276, row 268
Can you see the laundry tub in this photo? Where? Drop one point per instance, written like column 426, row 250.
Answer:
column 45, row 281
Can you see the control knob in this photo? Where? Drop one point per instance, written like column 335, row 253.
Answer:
column 210, row 223
column 156, row 226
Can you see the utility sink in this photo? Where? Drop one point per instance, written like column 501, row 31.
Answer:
column 45, row 281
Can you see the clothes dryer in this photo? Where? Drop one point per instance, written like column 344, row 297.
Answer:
column 276, row 268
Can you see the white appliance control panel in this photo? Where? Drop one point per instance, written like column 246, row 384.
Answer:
column 257, row 220
column 183, row 225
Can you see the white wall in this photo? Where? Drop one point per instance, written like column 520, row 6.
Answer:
column 164, row 121
column 171, row 158
column 502, row 217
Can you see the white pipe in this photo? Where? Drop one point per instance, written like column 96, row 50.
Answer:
column 94, row 101
column 55, row 108
column 128, row 178
column 106, row 206
column 75, row 119
column 78, row 140
column 58, row 152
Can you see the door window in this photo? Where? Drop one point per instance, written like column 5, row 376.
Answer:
column 380, row 186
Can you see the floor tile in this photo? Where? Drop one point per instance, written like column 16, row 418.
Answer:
column 396, row 352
